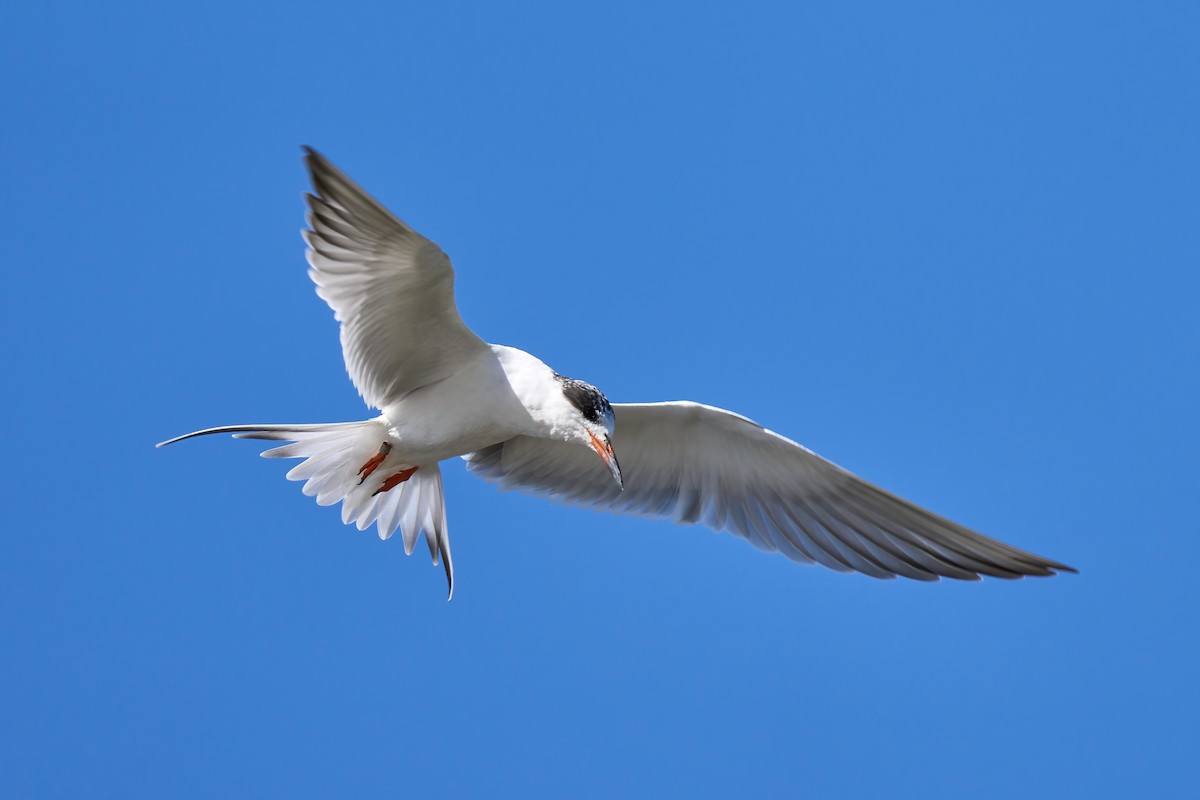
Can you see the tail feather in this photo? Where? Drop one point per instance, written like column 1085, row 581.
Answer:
column 333, row 453
column 273, row 432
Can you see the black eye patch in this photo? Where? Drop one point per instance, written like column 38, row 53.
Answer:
column 587, row 398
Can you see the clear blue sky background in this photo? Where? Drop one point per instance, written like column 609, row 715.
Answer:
column 950, row 246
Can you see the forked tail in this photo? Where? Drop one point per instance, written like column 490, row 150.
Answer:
column 354, row 463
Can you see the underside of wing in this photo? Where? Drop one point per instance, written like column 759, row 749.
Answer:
column 698, row 464
column 391, row 289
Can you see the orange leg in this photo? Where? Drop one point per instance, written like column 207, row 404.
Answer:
column 394, row 481
column 374, row 461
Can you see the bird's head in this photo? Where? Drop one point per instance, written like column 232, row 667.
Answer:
column 596, row 422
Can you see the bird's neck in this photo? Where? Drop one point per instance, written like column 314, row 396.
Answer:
column 537, row 388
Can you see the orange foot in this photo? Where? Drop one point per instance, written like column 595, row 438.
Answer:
column 394, row 481
column 374, row 461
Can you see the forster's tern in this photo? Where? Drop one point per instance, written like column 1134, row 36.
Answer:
column 444, row 392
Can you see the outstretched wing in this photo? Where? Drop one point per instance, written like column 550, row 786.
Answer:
column 695, row 463
column 391, row 289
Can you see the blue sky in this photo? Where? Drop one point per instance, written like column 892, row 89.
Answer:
column 952, row 248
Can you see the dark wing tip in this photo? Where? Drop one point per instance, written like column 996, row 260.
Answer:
column 325, row 176
column 1035, row 566
column 319, row 167
column 358, row 207
column 1039, row 568
column 313, row 160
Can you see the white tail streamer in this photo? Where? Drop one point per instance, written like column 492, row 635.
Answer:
column 333, row 455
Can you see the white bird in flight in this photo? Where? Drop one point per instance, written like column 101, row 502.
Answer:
column 444, row 392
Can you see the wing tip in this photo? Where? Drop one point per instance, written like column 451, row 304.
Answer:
column 311, row 153
column 1034, row 566
column 319, row 168
column 1043, row 569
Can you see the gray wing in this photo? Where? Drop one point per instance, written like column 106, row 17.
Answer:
column 391, row 289
column 698, row 464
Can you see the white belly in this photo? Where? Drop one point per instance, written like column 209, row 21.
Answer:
column 471, row 410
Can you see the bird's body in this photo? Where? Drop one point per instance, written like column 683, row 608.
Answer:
column 443, row 393
column 454, row 416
